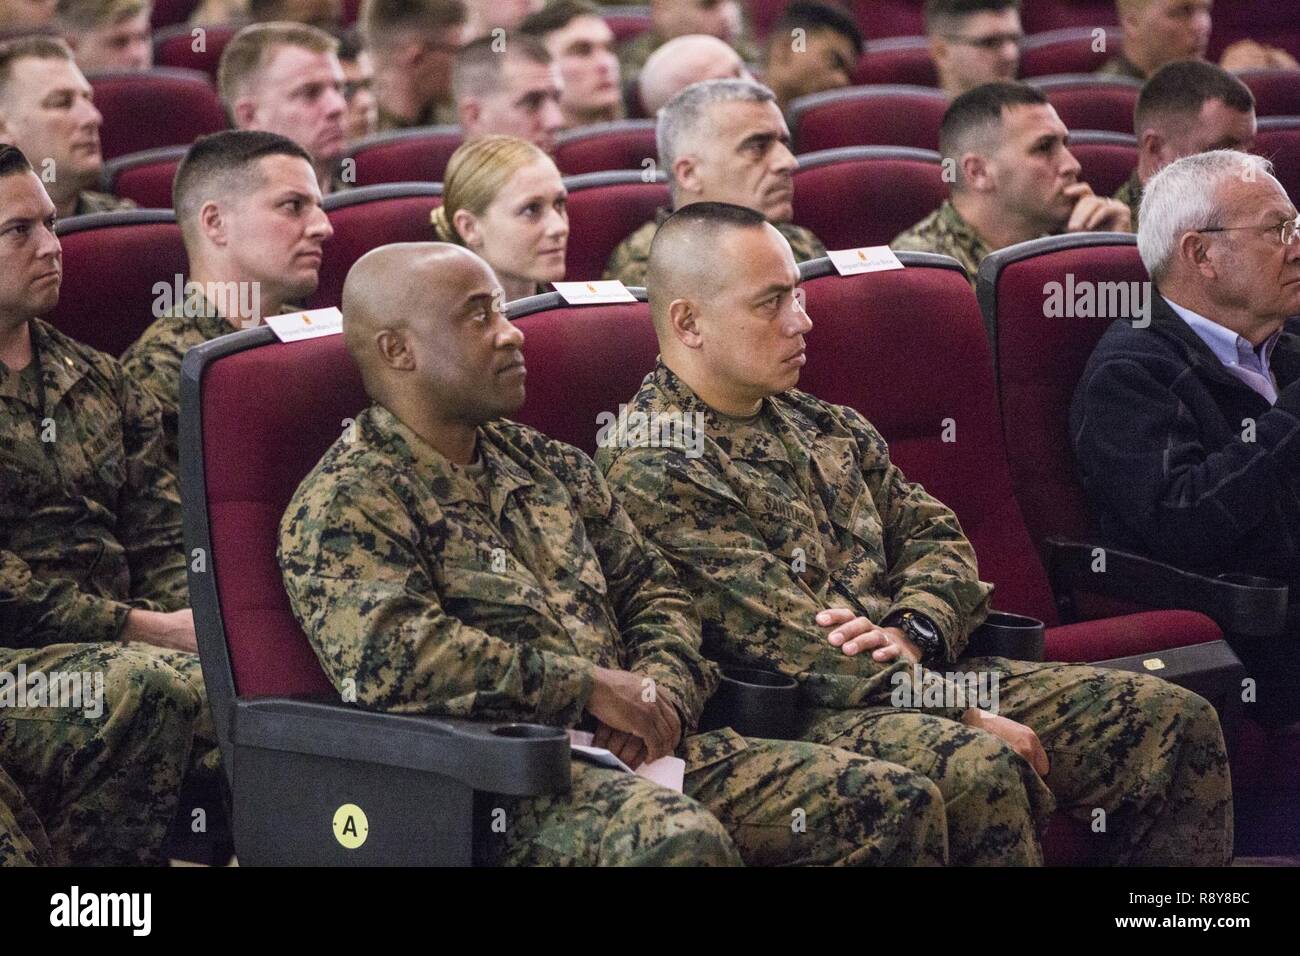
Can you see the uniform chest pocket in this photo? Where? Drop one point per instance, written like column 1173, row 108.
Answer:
column 788, row 528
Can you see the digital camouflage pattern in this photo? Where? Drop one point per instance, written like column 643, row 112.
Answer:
column 90, row 528
column 944, row 231
column 22, row 836
column 91, row 202
column 799, row 509
column 493, row 590
column 631, row 258
column 154, row 360
column 1130, row 194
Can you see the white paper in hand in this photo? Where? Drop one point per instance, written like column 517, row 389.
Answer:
column 668, row 771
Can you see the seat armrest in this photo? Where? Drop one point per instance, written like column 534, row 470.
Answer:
column 1240, row 604
column 494, row 756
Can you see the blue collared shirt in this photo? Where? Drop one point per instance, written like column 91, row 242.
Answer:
column 1239, row 357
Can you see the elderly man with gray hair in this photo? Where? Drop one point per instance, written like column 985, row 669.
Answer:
column 1186, row 422
column 721, row 141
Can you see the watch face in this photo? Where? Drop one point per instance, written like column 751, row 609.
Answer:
column 922, row 627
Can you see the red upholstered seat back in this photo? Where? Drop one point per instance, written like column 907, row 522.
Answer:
column 626, row 144
column 896, row 60
column 260, row 438
column 146, row 178
column 146, row 109
column 582, row 361
column 405, row 155
column 1277, row 92
column 1265, row 21
column 868, row 116
column 167, row 12
column 1040, row 359
column 1092, row 102
column 866, row 195
column 627, row 22
column 907, row 348
column 368, row 217
column 1108, row 159
column 174, row 46
column 1071, row 50
column 1278, row 139
column 1054, row 14
column 887, row 18
column 604, row 209
column 111, row 262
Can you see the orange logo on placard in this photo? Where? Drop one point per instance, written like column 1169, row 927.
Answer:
column 306, row 321
column 861, row 256
column 591, row 288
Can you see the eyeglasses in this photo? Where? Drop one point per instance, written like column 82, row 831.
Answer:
column 1285, row 232
column 990, row 43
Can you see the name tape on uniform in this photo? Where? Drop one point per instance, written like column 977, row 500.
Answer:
column 594, row 293
column 851, row 262
column 311, row 324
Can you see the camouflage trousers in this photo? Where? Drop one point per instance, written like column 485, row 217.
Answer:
column 760, row 802
column 104, row 777
column 1147, row 754
column 22, row 836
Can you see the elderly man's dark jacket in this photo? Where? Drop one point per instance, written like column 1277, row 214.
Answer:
column 1185, row 462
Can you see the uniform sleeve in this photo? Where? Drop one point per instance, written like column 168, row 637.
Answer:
column 659, row 628
column 149, row 505
column 38, row 611
column 155, row 366
column 361, row 590
column 756, row 610
column 932, row 566
column 1143, row 459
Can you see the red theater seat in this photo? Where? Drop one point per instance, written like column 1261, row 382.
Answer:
column 866, row 195
column 583, row 361
column 1278, row 139
column 1108, row 159
column 1092, row 102
column 1039, row 359
column 887, row 18
column 168, row 12
column 626, row 22
column 175, row 46
column 604, row 209
column 111, row 262
column 146, row 109
column 896, row 60
column 1042, row 15
column 367, row 217
column 868, row 116
column 144, row 177
column 405, row 155
column 247, row 441
column 625, row 144
column 1277, row 92
column 1072, row 50
column 1266, row 21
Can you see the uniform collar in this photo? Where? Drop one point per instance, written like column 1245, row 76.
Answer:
column 962, row 231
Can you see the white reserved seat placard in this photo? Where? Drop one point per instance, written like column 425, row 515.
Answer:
column 594, row 293
column 306, row 325
column 850, row 262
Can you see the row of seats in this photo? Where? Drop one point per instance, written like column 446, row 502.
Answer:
column 922, row 322
column 184, row 105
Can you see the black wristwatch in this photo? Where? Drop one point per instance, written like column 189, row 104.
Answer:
column 920, row 630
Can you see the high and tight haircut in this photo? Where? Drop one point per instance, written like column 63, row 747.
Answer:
column 943, row 15
column 557, row 16
column 812, row 17
column 1178, row 91
column 383, row 22
column 221, row 164
column 481, row 66
column 976, row 116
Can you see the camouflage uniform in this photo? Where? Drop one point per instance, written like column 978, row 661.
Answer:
column 800, row 509
column 630, row 260
column 435, row 114
column 944, row 231
column 22, row 836
column 89, row 202
column 154, row 359
column 1130, row 194
column 1120, row 65
column 494, row 590
column 89, row 529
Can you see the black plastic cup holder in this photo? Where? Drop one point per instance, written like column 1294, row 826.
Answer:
column 526, row 731
column 1014, row 636
column 754, row 703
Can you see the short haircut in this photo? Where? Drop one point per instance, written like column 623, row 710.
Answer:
column 222, row 163
column 557, row 16
column 944, row 14
column 384, row 21
column 1178, row 91
column 684, row 115
column 82, row 16
column 812, row 17
column 480, row 66
column 697, row 217
column 35, row 47
column 250, row 49
column 1184, row 196
column 12, row 161
column 975, row 117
